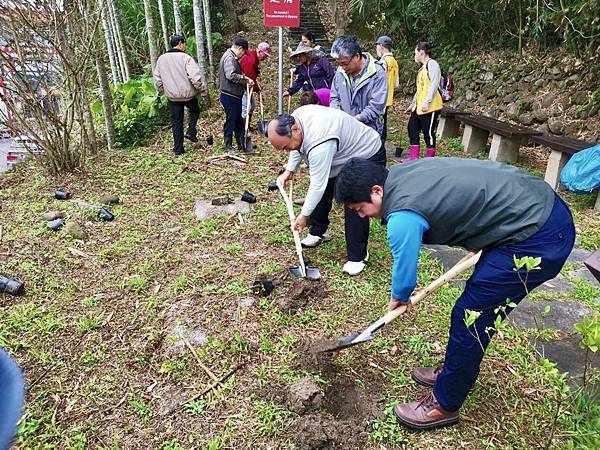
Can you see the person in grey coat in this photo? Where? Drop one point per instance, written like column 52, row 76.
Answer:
column 360, row 84
column 232, row 83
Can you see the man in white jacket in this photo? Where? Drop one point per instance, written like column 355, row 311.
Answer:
column 177, row 76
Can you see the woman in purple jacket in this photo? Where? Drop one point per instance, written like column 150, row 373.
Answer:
column 316, row 72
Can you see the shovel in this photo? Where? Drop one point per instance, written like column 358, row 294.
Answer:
column 358, row 338
column 263, row 124
column 247, row 137
column 301, row 271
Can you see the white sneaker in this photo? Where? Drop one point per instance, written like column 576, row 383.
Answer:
column 353, row 268
column 311, row 241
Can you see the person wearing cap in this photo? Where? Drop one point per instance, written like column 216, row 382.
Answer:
column 177, row 76
column 316, row 72
column 232, row 83
column 250, row 66
column 360, row 85
column 384, row 53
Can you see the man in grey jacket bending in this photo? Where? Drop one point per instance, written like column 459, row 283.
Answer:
column 360, row 85
column 177, row 76
column 325, row 140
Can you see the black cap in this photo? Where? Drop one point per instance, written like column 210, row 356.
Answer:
column 176, row 39
column 241, row 42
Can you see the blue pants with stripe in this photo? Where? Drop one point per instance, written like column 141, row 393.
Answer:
column 492, row 283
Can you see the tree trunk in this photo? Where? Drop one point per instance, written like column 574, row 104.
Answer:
column 235, row 23
column 109, row 45
column 87, row 115
column 106, row 102
column 198, row 29
column 209, row 43
column 163, row 24
column 113, row 39
column 121, row 51
column 151, row 35
column 177, row 14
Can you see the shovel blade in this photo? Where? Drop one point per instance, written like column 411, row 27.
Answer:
column 346, row 342
column 263, row 125
column 312, row 273
column 248, row 143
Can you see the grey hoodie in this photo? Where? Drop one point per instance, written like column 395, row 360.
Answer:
column 365, row 96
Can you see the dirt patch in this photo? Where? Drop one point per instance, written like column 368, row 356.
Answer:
column 297, row 294
column 344, row 419
column 311, row 358
column 305, row 395
column 323, row 431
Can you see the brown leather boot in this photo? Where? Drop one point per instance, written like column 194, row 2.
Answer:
column 426, row 376
column 424, row 413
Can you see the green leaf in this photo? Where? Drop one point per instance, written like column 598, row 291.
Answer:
column 96, row 107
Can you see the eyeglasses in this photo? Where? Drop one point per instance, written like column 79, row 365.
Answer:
column 345, row 62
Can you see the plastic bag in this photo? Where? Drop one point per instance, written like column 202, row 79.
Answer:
column 582, row 173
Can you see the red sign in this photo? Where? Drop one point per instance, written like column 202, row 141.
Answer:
column 282, row 13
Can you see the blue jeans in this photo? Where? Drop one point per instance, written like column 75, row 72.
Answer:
column 492, row 283
column 245, row 105
column 233, row 116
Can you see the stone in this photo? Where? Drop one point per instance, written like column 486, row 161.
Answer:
column 246, row 302
column 539, row 83
column 447, row 256
column 578, row 256
column 205, row 210
column 563, row 315
column 487, row 77
column 174, row 340
column 541, row 115
column 543, row 128
column 585, row 275
column 558, row 285
column 556, row 125
column 579, row 98
column 110, row 200
column 75, row 230
column 53, row 215
column 305, row 395
column 470, row 95
column 512, row 111
column 528, row 79
column 220, row 200
column 526, row 119
column 547, row 100
column 509, row 98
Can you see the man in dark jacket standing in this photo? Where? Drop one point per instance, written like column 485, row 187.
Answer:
column 477, row 205
column 360, row 85
column 232, row 82
column 177, row 75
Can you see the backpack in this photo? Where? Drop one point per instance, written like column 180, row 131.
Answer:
column 446, row 87
column 582, row 173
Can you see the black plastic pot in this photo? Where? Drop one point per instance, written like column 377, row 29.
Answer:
column 263, row 286
column 56, row 224
column 62, row 194
column 272, row 186
column 248, row 197
column 105, row 214
column 10, row 286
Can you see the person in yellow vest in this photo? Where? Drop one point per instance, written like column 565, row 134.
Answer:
column 384, row 53
column 427, row 103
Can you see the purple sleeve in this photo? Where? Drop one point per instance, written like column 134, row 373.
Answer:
column 300, row 79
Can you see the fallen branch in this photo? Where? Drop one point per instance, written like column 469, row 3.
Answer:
column 222, row 157
column 213, row 386
column 199, row 361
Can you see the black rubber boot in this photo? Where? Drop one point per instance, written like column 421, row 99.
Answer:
column 228, row 141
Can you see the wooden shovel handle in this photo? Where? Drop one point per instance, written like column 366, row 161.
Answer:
column 297, row 243
column 466, row 263
column 248, row 102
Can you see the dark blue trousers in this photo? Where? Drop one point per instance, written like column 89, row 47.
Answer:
column 492, row 283
column 11, row 398
column 233, row 116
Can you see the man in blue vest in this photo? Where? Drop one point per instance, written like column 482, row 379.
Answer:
column 477, row 205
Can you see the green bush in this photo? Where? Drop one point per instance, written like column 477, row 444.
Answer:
column 138, row 111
